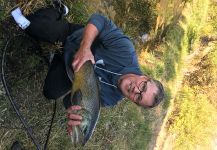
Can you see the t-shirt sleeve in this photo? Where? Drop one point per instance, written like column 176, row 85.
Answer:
column 109, row 34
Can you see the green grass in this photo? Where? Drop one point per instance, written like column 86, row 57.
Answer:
column 173, row 51
column 135, row 17
column 194, row 123
column 179, row 38
column 78, row 12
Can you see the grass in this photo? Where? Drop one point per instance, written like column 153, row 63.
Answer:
column 192, row 123
column 180, row 36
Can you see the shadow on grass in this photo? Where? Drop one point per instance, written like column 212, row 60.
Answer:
column 173, row 50
column 167, row 99
column 135, row 17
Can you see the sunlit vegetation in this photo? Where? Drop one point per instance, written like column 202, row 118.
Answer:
column 193, row 121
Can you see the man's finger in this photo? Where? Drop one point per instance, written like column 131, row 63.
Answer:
column 92, row 60
column 75, row 107
column 72, row 108
column 76, row 67
column 73, row 123
column 74, row 63
column 79, row 65
column 74, row 117
column 69, row 130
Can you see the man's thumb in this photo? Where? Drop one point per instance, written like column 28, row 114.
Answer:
column 93, row 61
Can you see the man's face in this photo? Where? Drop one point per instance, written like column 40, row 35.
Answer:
column 131, row 85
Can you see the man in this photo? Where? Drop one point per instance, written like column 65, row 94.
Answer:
column 102, row 42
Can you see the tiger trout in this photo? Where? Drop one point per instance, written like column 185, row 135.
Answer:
column 85, row 92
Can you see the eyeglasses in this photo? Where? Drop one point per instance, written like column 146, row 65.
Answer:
column 142, row 88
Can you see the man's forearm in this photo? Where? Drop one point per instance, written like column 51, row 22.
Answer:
column 84, row 53
column 89, row 36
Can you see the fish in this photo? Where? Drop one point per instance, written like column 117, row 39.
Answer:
column 86, row 93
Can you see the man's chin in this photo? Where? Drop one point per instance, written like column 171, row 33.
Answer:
column 125, row 95
column 123, row 91
column 123, row 85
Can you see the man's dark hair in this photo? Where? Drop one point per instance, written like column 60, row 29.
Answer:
column 160, row 95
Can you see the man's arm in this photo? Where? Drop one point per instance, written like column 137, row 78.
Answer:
column 84, row 53
column 102, row 28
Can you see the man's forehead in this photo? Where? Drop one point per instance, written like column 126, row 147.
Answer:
column 144, row 77
column 151, row 87
column 150, row 92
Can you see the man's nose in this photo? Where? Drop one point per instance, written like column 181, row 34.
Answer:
column 136, row 89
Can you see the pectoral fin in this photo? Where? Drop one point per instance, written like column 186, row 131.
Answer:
column 76, row 97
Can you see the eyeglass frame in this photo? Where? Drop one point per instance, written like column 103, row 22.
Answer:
column 141, row 91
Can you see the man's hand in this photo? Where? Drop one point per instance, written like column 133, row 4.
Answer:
column 74, row 119
column 82, row 55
